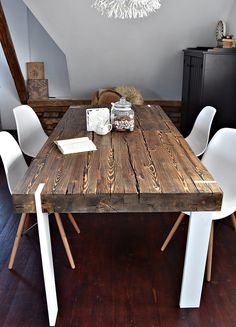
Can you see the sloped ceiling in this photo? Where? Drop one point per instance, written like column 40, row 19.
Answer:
column 146, row 53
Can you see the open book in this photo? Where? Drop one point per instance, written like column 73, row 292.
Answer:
column 80, row 144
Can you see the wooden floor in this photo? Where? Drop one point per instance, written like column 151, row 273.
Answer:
column 122, row 279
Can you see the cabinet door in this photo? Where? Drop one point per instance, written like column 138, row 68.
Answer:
column 219, row 89
column 192, row 87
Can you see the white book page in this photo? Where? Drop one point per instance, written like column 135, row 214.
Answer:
column 75, row 145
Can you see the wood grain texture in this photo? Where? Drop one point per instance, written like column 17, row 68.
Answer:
column 46, row 108
column 57, row 102
column 37, row 88
column 164, row 103
column 11, row 57
column 51, row 102
column 35, row 70
column 150, row 169
column 122, row 278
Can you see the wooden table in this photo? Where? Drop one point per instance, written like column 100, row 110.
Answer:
column 151, row 169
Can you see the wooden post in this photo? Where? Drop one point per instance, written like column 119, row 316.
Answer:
column 11, row 57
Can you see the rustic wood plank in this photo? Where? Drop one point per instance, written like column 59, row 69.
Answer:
column 132, row 279
column 35, row 70
column 37, row 88
column 45, row 107
column 51, row 102
column 150, row 169
column 164, row 103
column 57, row 102
column 11, row 57
column 48, row 110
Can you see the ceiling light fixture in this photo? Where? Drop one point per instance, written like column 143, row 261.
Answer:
column 124, row 9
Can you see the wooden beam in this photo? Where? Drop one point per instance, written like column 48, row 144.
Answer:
column 165, row 103
column 11, row 57
column 56, row 102
column 51, row 110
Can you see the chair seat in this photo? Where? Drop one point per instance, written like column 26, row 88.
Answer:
column 15, row 168
column 220, row 159
column 199, row 136
column 30, row 133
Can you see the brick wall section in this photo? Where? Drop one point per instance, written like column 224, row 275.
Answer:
column 50, row 116
column 50, row 111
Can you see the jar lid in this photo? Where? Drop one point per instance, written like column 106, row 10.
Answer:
column 122, row 103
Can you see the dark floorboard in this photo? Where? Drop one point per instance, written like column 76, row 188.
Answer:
column 122, row 279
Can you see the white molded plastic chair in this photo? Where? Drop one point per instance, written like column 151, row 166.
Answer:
column 199, row 136
column 15, row 168
column 220, row 160
column 30, row 133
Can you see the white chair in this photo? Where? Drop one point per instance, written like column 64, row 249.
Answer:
column 199, row 136
column 15, row 168
column 220, row 160
column 30, row 133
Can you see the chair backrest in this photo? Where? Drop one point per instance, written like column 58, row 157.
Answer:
column 12, row 158
column 30, row 133
column 220, row 160
column 199, row 136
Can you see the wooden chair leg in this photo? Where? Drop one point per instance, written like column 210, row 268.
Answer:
column 233, row 219
column 27, row 221
column 209, row 254
column 72, row 220
column 64, row 240
column 173, row 230
column 17, row 240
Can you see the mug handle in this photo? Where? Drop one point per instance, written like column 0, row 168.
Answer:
column 110, row 127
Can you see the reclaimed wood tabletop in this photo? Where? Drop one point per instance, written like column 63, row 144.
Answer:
column 150, row 169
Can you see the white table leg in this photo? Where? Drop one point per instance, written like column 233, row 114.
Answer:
column 195, row 259
column 46, row 256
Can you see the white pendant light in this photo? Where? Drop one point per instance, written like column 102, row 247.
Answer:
column 126, row 8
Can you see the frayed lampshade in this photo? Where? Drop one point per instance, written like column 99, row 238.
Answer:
column 126, row 8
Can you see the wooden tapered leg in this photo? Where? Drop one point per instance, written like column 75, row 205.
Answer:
column 64, row 239
column 173, row 230
column 233, row 219
column 17, row 240
column 209, row 254
column 72, row 220
column 26, row 224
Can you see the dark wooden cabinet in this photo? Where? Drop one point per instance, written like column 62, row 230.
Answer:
column 209, row 78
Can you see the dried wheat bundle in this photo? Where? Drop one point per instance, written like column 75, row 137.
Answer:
column 126, row 8
column 131, row 93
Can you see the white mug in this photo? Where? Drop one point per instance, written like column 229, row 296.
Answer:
column 103, row 129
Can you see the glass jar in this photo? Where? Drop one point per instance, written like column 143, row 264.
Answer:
column 122, row 116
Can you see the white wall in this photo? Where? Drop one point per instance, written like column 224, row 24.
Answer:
column 146, row 52
column 16, row 14
column 43, row 48
column 231, row 23
column 32, row 43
